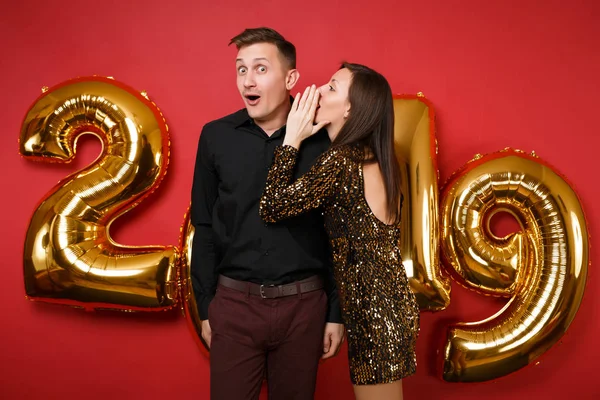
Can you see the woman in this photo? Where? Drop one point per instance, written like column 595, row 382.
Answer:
column 357, row 183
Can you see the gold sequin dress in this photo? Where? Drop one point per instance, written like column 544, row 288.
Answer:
column 380, row 311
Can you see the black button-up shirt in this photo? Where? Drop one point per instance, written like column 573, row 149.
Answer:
column 233, row 159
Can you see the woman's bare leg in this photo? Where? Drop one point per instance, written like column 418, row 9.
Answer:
column 384, row 391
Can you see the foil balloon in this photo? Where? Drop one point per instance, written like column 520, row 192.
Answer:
column 69, row 256
column 542, row 268
column 188, row 298
column 416, row 150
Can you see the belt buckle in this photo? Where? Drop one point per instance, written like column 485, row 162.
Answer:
column 262, row 291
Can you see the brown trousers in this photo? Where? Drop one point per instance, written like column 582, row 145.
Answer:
column 253, row 338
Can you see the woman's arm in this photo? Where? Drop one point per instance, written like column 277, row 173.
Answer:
column 283, row 198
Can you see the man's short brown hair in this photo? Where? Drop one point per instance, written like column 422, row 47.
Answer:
column 267, row 35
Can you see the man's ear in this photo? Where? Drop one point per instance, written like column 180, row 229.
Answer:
column 291, row 79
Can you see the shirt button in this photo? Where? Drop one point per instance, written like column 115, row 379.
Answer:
column 266, row 253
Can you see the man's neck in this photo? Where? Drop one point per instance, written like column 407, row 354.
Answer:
column 275, row 121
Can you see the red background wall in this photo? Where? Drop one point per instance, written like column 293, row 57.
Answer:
column 507, row 73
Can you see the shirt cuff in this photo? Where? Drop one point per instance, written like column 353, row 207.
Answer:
column 334, row 313
column 202, row 304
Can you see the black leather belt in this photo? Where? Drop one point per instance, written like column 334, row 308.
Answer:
column 273, row 291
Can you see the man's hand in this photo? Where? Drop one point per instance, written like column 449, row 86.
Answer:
column 206, row 332
column 332, row 339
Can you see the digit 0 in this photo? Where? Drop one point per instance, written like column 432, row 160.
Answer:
column 414, row 135
column 416, row 150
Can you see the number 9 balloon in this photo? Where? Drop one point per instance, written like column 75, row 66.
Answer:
column 542, row 269
column 69, row 257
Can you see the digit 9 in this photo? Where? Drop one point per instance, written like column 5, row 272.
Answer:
column 542, row 269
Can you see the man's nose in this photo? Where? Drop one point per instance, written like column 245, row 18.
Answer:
column 249, row 80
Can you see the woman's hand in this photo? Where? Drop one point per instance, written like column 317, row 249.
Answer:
column 300, row 121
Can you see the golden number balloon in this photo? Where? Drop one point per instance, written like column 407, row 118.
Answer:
column 69, row 256
column 542, row 269
column 416, row 149
column 188, row 298
column 414, row 136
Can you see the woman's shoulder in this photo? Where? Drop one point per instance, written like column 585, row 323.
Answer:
column 344, row 153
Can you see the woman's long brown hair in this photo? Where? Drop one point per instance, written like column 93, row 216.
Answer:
column 370, row 125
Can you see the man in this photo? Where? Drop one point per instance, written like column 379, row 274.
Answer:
column 276, row 310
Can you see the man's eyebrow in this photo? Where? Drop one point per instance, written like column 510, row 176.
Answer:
column 256, row 59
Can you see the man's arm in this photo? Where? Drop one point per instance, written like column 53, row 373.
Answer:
column 204, row 257
column 334, row 313
column 333, row 336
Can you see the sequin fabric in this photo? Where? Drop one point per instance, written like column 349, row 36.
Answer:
column 380, row 311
